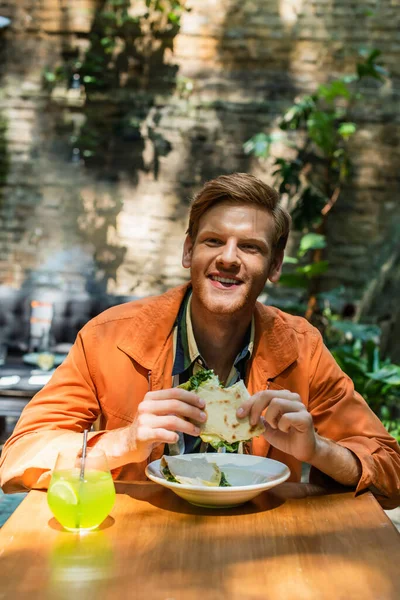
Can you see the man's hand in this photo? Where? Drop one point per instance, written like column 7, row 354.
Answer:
column 288, row 425
column 161, row 414
column 289, row 428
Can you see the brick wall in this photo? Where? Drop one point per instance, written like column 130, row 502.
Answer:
column 246, row 60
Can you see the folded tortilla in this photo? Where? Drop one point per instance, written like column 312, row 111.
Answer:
column 197, row 471
column 221, row 406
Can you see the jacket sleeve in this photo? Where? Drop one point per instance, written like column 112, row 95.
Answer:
column 52, row 421
column 342, row 415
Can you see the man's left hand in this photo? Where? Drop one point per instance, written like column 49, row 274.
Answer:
column 288, row 424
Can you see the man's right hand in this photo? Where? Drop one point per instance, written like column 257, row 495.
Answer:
column 162, row 414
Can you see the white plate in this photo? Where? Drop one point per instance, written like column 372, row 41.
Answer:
column 248, row 475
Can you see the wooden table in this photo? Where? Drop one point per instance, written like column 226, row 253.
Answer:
column 284, row 545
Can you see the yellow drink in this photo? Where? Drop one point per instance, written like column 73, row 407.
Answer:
column 80, row 504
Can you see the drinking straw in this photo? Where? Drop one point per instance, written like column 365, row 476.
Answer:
column 81, row 476
column 83, row 457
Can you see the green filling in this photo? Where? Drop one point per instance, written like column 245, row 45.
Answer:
column 195, row 381
column 169, row 477
column 233, row 447
column 224, row 482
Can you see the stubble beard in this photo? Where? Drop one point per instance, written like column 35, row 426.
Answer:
column 223, row 307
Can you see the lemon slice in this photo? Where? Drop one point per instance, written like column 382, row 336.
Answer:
column 65, row 491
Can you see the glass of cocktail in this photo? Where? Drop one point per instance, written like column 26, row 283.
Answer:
column 81, row 499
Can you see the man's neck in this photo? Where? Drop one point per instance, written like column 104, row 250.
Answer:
column 219, row 339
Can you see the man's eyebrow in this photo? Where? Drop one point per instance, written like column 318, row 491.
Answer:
column 209, row 232
column 255, row 240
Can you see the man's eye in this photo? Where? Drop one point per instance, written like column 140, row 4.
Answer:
column 213, row 242
column 250, row 247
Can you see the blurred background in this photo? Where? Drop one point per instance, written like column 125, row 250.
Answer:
column 114, row 113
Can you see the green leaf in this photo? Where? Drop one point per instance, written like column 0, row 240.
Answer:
column 369, row 68
column 260, row 144
column 371, row 351
column 321, row 129
column 314, row 269
column 311, row 241
column 290, row 260
column 307, row 211
column 49, row 76
column 359, row 331
column 347, row 129
column 196, row 381
column 393, row 427
column 287, row 175
column 233, row 447
column 389, row 374
column 351, row 365
column 298, row 113
column 173, row 17
column 350, row 78
column 335, row 89
column 293, row 280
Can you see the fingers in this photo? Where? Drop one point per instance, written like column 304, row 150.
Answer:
column 172, row 407
column 176, row 394
column 301, row 421
column 245, row 408
column 255, row 405
column 163, row 413
column 279, row 407
column 159, row 436
column 173, row 423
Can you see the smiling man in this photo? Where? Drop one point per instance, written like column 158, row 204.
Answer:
column 230, row 254
column 125, row 366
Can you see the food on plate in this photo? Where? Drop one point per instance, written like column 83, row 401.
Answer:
column 197, row 471
column 222, row 427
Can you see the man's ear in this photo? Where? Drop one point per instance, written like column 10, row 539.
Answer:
column 187, row 252
column 276, row 267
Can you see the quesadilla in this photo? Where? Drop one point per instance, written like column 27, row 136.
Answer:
column 222, row 427
column 197, row 471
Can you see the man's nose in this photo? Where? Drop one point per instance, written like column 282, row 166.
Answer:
column 229, row 254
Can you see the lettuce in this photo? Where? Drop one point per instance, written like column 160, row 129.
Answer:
column 169, row 477
column 195, row 381
column 224, row 482
column 233, row 447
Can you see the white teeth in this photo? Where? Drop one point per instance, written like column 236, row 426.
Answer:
column 223, row 279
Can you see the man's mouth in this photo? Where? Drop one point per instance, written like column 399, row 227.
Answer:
column 224, row 282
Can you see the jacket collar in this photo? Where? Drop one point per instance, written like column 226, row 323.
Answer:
column 156, row 318
column 275, row 344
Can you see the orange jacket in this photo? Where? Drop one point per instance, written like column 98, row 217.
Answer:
column 126, row 349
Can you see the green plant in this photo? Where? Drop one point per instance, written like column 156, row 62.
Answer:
column 121, row 46
column 118, row 73
column 316, row 129
column 301, row 274
column 356, row 349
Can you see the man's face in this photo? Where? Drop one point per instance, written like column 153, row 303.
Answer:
column 232, row 257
